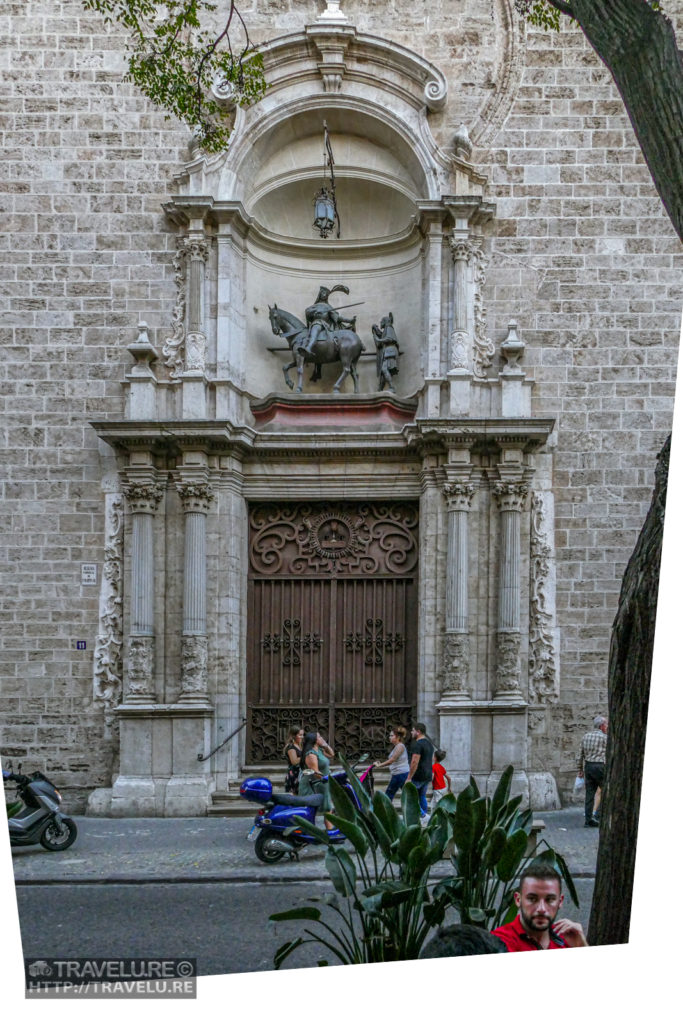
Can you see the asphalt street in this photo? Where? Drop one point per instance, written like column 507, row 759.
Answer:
column 193, row 887
column 225, row 926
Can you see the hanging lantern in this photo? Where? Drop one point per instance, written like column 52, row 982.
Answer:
column 325, row 201
column 324, row 212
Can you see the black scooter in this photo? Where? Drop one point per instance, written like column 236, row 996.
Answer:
column 39, row 819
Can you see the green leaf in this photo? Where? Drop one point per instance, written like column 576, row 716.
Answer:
column 284, row 951
column 408, row 841
column 512, row 855
column 309, row 829
column 343, row 804
column 353, row 833
column 410, row 805
column 495, row 847
column 477, row 915
column 463, row 822
column 297, row 914
column 501, row 794
column 354, row 782
column 341, row 870
column 387, row 815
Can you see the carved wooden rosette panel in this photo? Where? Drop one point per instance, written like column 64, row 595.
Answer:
column 332, row 623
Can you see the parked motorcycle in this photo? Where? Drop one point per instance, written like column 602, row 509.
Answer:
column 279, row 810
column 38, row 819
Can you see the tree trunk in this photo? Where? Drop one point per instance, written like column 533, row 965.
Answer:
column 639, row 47
column 629, row 691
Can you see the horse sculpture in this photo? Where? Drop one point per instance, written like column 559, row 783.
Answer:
column 330, row 347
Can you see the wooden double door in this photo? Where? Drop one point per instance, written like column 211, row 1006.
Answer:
column 332, row 624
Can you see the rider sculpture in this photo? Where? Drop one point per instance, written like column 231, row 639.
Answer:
column 321, row 316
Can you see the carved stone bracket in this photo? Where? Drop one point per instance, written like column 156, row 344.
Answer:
column 459, row 350
column 508, row 646
column 108, row 665
column 140, row 683
column 510, row 496
column 195, row 497
column 543, row 681
column 194, row 669
column 195, row 351
column 143, row 497
column 456, row 666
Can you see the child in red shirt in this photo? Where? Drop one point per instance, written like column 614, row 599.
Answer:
column 441, row 780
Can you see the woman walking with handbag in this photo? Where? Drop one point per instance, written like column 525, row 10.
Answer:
column 293, row 751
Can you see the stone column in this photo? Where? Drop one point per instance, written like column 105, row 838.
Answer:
column 457, row 641
column 510, row 497
column 459, row 373
column 196, row 498
column 194, row 377
column 143, row 501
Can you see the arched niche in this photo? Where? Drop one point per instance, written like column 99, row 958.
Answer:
column 391, row 177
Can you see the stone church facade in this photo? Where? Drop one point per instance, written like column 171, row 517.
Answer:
column 196, row 557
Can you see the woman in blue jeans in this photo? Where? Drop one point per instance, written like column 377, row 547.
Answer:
column 397, row 762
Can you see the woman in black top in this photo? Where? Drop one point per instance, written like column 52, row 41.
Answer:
column 292, row 752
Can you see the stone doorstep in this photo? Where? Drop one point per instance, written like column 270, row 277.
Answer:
column 229, row 804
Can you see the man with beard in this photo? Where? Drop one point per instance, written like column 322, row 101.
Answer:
column 539, row 899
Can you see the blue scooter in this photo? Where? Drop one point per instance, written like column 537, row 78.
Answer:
column 278, row 812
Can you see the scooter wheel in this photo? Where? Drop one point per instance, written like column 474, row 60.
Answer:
column 59, row 835
column 264, row 850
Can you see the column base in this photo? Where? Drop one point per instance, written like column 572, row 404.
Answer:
column 543, row 794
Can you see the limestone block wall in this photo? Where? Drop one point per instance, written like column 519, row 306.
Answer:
column 581, row 255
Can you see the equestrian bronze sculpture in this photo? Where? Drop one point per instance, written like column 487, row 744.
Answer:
column 326, row 337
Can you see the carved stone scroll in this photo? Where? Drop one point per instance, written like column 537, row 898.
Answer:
column 543, row 679
column 108, row 663
column 173, row 348
column 484, row 349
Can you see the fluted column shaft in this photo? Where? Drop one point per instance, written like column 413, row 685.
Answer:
column 143, row 501
column 510, row 497
column 508, row 594
column 142, row 575
column 456, row 642
column 196, row 498
column 194, row 584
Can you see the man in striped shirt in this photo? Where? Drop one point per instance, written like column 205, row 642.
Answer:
column 591, row 766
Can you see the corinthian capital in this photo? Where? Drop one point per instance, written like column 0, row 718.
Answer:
column 458, row 495
column 143, row 497
column 461, row 248
column 510, row 496
column 195, row 249
column 195, row 497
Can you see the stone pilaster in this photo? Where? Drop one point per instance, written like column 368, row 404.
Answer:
column 143, row 500
column 457, row 642
column 194, row 377
column 460, row 355
column 196, row 498
column 510, row 496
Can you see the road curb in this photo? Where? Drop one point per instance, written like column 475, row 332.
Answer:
column 202, row 880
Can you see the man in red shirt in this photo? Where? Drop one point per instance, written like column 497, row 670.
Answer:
column 539, row 899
